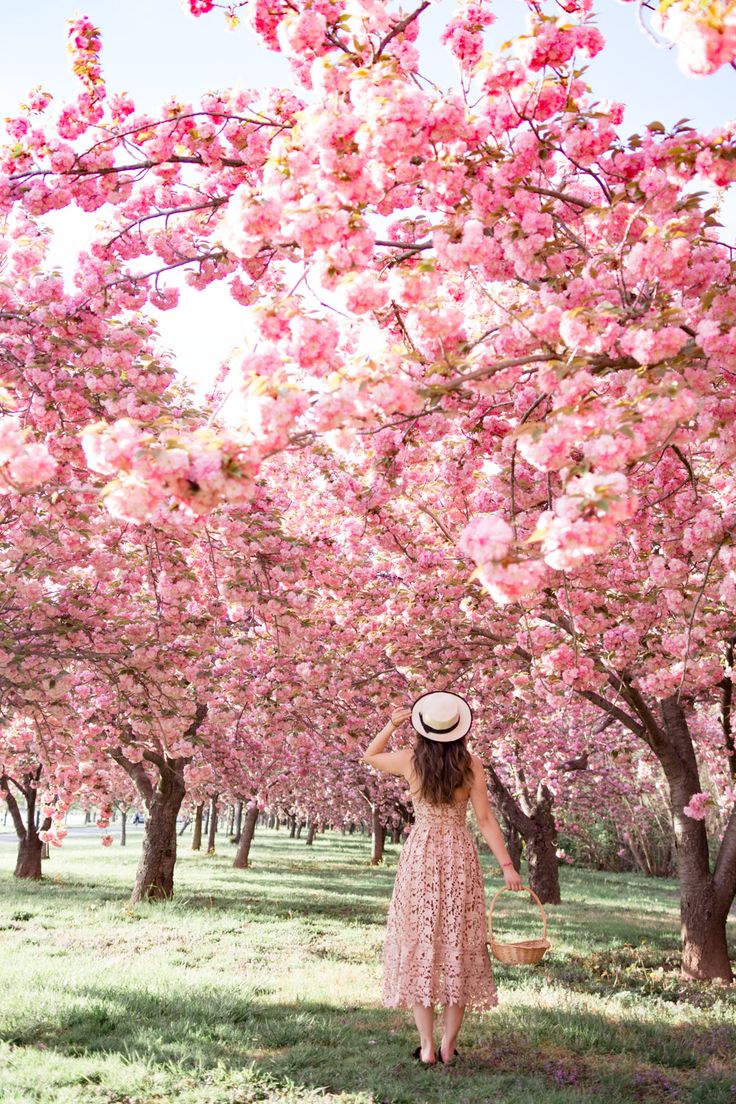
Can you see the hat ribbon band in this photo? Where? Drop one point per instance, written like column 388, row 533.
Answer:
column 439, row 731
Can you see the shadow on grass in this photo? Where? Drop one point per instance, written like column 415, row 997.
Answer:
column 263, row 896
column 511, row 1054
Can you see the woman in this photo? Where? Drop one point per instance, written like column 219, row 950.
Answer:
column 435, row 949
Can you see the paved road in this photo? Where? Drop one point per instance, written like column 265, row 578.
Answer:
column 79, row 831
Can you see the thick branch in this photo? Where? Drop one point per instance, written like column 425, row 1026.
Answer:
column 199, row 716
column 578, row 201
column 615, row 712
column 507, row 804
column 137, row 773
column 13, row 807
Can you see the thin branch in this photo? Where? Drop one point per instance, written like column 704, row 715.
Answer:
column 691, row 619
column 399, row 28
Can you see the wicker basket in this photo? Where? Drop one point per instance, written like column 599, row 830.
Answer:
column 524, row 952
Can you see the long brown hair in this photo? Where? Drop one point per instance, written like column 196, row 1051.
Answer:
column 441, row 768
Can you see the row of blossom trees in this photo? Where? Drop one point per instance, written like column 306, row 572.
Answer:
column 483, row 331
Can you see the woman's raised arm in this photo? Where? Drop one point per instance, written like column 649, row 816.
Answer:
column 391, row 762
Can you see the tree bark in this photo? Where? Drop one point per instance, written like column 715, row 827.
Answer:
column 300, row 828
column 378, row 837
column 123, row 825
column 212, row 825
column 28, row 862
column 311, row 829
column 513, row 842
column 197, row 830
column 292, row 826
column 396, row 833
column 238, row 828
column 246, row 838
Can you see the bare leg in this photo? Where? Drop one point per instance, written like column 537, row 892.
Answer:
column 424, row 1018
column 452, row 1017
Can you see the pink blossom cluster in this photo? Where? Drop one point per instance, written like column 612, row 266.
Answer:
column 510, row 582
column 553, row 44
column 84, row 45
column 156, row 473
column 487, row 538
column 23, row 464
column 698, row 805
column 463, row 34
column 585, row 519
column 705, row 34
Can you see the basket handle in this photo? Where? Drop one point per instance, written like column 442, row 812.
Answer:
column 507, row 890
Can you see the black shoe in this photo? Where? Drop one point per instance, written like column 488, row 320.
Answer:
column 418, row 1055
column 450, row 1061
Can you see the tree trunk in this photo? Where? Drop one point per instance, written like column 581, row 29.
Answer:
column 544, row 867
column 396, row 833
column 300, row 829
column 238, row 827
column 155, row 876
column 246, row 837
column 230, row 820
column 534, row 821
column 213, row 825
column 28, row 863
column 123, row 824
column 292, row 827
column 30, row 845
column 378, row 836
column 703, row 909
column 311, row 828
column 197, row 830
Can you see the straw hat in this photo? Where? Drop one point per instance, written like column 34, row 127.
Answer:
column 441, row 716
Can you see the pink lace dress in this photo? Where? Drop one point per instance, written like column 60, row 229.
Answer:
column 435, row 948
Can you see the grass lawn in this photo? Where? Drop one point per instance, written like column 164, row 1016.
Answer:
column 264, row 985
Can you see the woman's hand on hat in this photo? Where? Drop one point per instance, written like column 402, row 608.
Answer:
column 399, row 716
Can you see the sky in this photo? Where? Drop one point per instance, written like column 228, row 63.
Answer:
column 154, row 49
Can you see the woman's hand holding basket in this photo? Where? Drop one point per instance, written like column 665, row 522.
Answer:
column 512, row 878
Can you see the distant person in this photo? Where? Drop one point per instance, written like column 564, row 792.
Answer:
column 137, row 819
column 435, row 948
